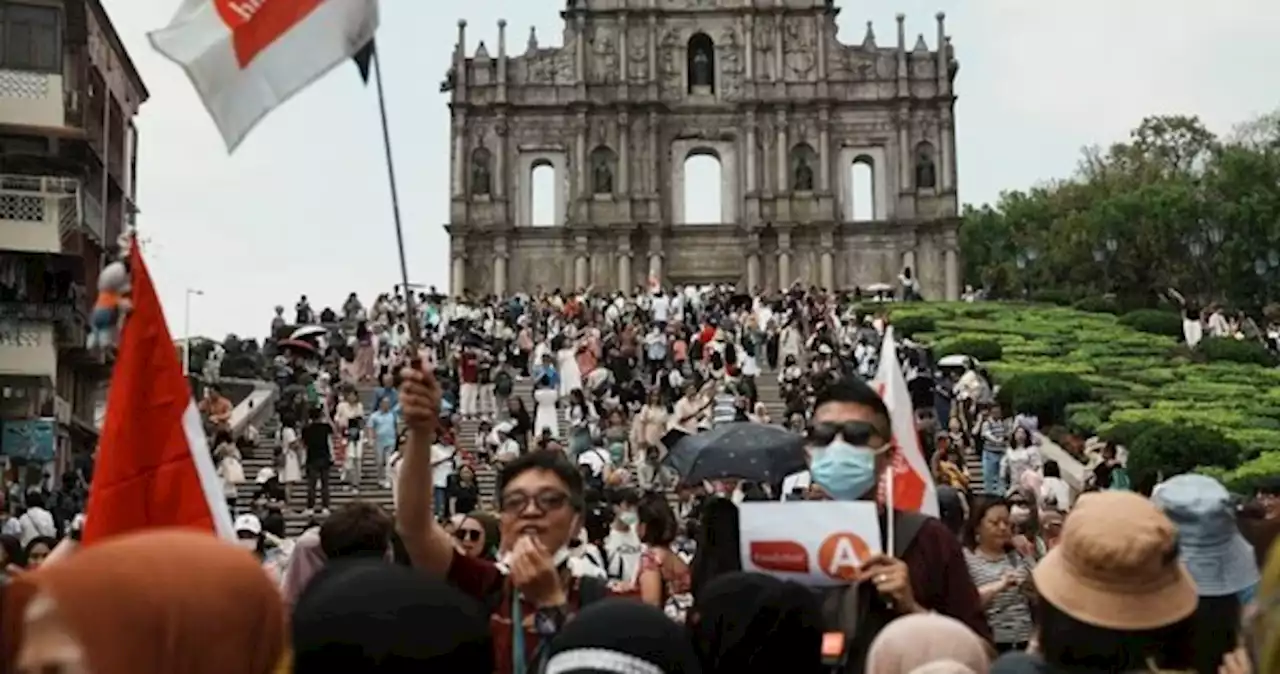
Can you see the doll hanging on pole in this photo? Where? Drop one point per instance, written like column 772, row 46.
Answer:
column 113, row 302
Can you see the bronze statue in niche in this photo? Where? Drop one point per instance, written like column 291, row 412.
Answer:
column 481, row 177
column 926, row 170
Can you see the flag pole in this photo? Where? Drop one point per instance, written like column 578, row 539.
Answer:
column 415, row 330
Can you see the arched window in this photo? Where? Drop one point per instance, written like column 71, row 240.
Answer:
column 804, row 162
column 542, row 182
column 926, row 167
column 703, row 199
column 481, row 172
column 702, row 64
column 604, row 164
column 862, row 192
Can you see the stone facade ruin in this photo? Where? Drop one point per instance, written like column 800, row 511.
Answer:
column 764, row 87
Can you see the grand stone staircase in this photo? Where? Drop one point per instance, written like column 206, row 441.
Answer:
column 368, row 488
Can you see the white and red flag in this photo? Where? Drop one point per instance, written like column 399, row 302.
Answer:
column 246, row 57
column 911, row 481
column 153, row 466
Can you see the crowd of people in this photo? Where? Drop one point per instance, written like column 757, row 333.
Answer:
column 585, row 564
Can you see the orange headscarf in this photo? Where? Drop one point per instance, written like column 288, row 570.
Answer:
column 162, row 602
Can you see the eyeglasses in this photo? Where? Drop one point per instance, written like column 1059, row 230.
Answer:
column 853, row 432
column 468, row 535
column 547, row 500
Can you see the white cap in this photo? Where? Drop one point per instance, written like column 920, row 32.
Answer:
column 249, row 523
column 264, row 475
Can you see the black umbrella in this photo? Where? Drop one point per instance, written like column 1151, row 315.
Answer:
column 742, row 450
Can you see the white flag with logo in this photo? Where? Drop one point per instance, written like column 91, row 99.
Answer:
column 246, row 57
column 912, row 483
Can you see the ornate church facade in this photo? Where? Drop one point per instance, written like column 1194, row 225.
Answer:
column 793, row 117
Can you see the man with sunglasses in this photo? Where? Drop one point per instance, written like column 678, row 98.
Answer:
column 849, row 442
column 531, row 591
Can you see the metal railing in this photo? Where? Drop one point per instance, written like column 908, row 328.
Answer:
column 29, row 198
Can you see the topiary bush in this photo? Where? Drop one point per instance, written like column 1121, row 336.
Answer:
column 1097, row 305
column 1044, row 395
column 910, row 326
column 1171, row 449
column 1154, row 321
column 1084, row 419
column 1062, row 298
column 984, row 350
column 1125, row 432
column 1222, row 349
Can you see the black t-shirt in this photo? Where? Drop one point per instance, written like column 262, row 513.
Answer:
column 315, row 437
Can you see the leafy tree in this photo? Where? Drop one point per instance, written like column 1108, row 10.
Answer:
column 1171, row 206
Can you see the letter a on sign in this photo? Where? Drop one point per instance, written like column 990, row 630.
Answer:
column 841, row 556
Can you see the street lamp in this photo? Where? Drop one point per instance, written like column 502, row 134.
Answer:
column 186, row 330
column 1021, row 261
column 1260, row 267
column 1196, row 247
column 1099, row 255
column 1031, row 254
column 1112, row 245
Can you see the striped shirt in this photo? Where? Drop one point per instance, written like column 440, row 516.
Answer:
column 1009, row 613
column 724, row 409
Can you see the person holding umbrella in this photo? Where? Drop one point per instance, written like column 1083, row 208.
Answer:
column 849, row 445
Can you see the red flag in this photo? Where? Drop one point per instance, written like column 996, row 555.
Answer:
column 912, row 483
column 153, row 466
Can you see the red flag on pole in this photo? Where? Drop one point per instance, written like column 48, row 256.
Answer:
column 153, row 467
column 911, row 481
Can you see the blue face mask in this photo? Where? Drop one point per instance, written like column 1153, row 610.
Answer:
column 846, row 472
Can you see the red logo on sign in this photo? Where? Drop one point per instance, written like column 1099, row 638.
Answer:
column 256, row 24
column 783, row 556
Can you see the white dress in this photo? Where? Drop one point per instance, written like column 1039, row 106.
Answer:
column 567, row 366
column 544, row 415
column 292, row 471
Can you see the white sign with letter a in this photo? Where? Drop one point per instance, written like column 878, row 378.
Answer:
column 821, row 543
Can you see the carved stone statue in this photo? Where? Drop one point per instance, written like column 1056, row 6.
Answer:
column 803, row 177
column 602, row 178
column 701, row 75
column 481, row 181
column 926, row 173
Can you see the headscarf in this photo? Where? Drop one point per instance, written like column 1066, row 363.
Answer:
column 619, row 635
column 166, row 601
column 379, row 618
column 916, row 640
column 751, row 623
column 306, row 560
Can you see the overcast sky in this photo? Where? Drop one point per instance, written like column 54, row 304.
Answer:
column 303, row 205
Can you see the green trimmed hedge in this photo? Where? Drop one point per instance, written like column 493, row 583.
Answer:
column 1136, row 379
column 1154, row 321
column 1164, row 450
column 985, row 350
column 1223, row 349
column 1045, row 395
column 910, row 326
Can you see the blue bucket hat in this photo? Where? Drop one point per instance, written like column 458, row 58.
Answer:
column 1219, row 559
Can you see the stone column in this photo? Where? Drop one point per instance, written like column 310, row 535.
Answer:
column 624, row 266
column 500, row 274
column 622, row 50
column 459, row 272
column 460, row 154
column 753, row 146
column 655, row 157
column 749, row 35
column 624, row 153
column 784, row 260
column 820, row 27
column 951, row 265
column 946, row 159
column 580, row 271
column 824, row 150
column 778, row 57
column 655, row 260
column 500, row 156
column 580, row 158
column 904, row 153
column 753, row 262
column 580, row 49
column 826, row 268
column 783, row 153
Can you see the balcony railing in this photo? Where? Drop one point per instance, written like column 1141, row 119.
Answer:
column 47, row 209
